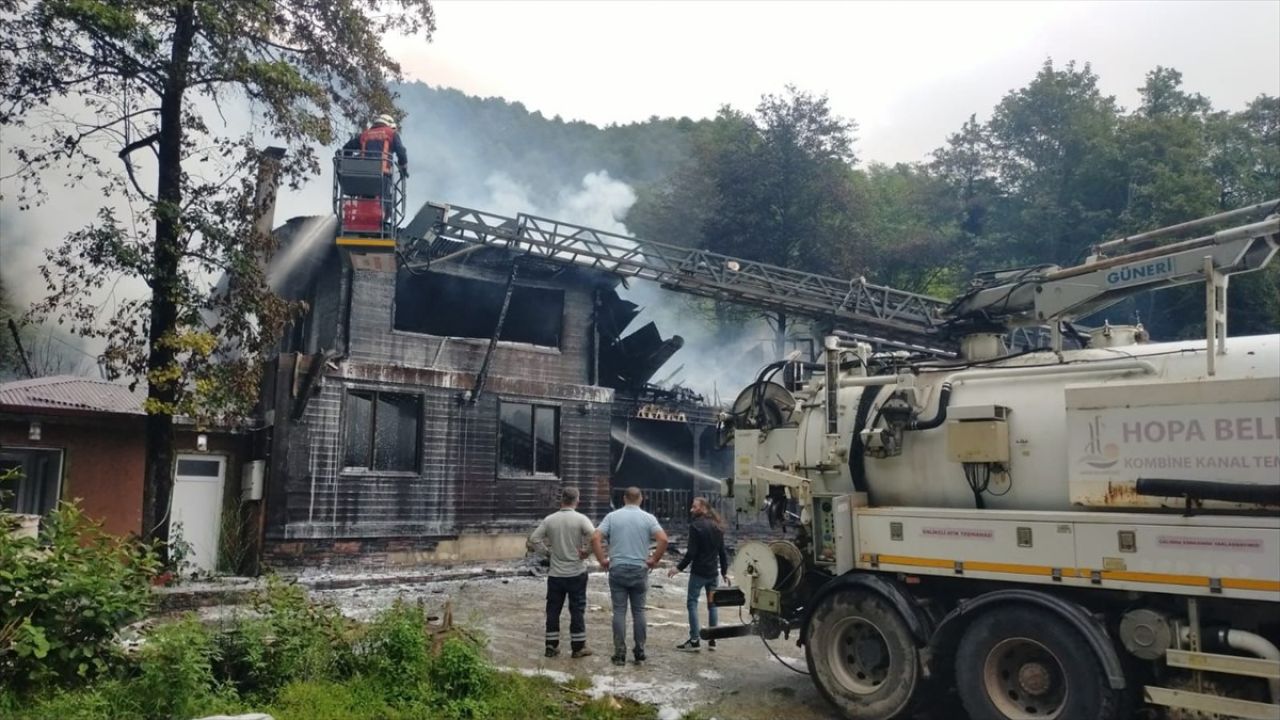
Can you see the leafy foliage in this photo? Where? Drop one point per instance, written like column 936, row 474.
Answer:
column 1057, row 167
column 175, row 674
column 148, row 78
column 290, row 638
column 67, row 593
column 300, row 661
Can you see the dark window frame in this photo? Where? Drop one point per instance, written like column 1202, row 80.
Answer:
column 500, row 470
column 57, row 479
column 371, row 394
column 561, row 302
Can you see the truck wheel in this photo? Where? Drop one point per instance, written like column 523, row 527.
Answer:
column 1020, row 663
column 862, row 656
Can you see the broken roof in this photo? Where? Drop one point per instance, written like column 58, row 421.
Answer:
column 66, row 392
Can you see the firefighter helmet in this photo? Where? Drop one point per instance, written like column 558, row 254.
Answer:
column 385, row 119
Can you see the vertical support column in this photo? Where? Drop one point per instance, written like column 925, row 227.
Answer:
column 1215, row 313
column 832, row 381
column 1193, row 633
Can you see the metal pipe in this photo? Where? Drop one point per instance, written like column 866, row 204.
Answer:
column 1245, row 642
column 868, row 381
column 1088, row 367
column 1262, row 227
column 1175, row 229
column 1259, row 646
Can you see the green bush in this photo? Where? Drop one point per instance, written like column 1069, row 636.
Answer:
column 395, row 651
column 460, row 671
column 301, row 661
column 292, row 638
column 175, row 673
column 66, row 593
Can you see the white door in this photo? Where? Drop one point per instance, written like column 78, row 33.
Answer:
column 196, row 512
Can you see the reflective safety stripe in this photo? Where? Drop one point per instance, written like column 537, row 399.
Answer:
column 1010, row 568
column 1047, row 571
column 367, row 242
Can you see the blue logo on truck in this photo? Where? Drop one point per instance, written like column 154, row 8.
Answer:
column 1140, row 273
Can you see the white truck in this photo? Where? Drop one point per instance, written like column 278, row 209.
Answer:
column 1057, row 533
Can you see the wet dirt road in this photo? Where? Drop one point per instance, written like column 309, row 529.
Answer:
column 738, row 681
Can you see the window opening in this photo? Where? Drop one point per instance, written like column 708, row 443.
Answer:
column 529, row 439
column 37, row 488
column 453, row 306
column 382, row 431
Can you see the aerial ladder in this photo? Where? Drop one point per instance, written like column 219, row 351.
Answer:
column 893, row 318
column 1026, row 302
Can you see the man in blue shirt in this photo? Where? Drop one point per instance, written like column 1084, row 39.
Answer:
column 628, row 530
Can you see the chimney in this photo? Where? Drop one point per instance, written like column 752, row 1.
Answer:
column 264, row 200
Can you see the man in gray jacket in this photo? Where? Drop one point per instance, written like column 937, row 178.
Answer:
column 564, row 534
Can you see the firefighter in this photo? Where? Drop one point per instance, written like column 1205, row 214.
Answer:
column 382, row 138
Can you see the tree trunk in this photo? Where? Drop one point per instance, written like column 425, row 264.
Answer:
column 158, row 485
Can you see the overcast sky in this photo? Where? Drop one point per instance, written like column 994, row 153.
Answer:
column 908, row 72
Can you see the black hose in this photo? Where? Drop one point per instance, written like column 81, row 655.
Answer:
column 1209, row 490
column 944, row 398
column 857, row 463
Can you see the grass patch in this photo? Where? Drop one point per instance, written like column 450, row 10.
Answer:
column 297, row 660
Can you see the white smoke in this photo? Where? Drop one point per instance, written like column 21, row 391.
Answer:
column 450, row 161
column 716, row 363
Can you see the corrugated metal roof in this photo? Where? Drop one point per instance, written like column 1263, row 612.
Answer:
column 72, row 393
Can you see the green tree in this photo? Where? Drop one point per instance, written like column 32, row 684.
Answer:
column 1245, row 160
column 11, row 361
column 774, row 186
column 909, row 228
column 967, row 164
column 150, row 77
column 1057, row 163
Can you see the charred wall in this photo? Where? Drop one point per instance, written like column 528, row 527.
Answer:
column 319, row 504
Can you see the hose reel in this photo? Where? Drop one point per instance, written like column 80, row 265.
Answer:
column 776, row 566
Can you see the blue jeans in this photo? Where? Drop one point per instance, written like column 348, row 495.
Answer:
column 696, row 585
column 628, row 584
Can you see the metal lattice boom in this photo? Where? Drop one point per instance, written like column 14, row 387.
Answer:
column 889, row 316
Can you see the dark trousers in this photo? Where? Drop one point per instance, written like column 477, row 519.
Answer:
column 575, row 588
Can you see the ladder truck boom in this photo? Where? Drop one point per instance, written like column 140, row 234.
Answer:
column 891, row 317
column 1041, row 295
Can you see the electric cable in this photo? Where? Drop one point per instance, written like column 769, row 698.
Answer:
column 1008, row 471
column 778, row 657
column 775, row 655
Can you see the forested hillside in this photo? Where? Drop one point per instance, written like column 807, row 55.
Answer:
column 462, row 148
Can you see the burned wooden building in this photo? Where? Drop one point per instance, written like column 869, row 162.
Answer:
column 431, row 411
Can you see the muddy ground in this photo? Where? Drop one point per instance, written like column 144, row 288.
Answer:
column 739, row 680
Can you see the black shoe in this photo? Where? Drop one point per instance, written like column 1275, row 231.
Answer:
column 711, row 644
column 620, row 657
column 582, row 652
column 689, row 646
column 639, row 656
column 552, row 651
